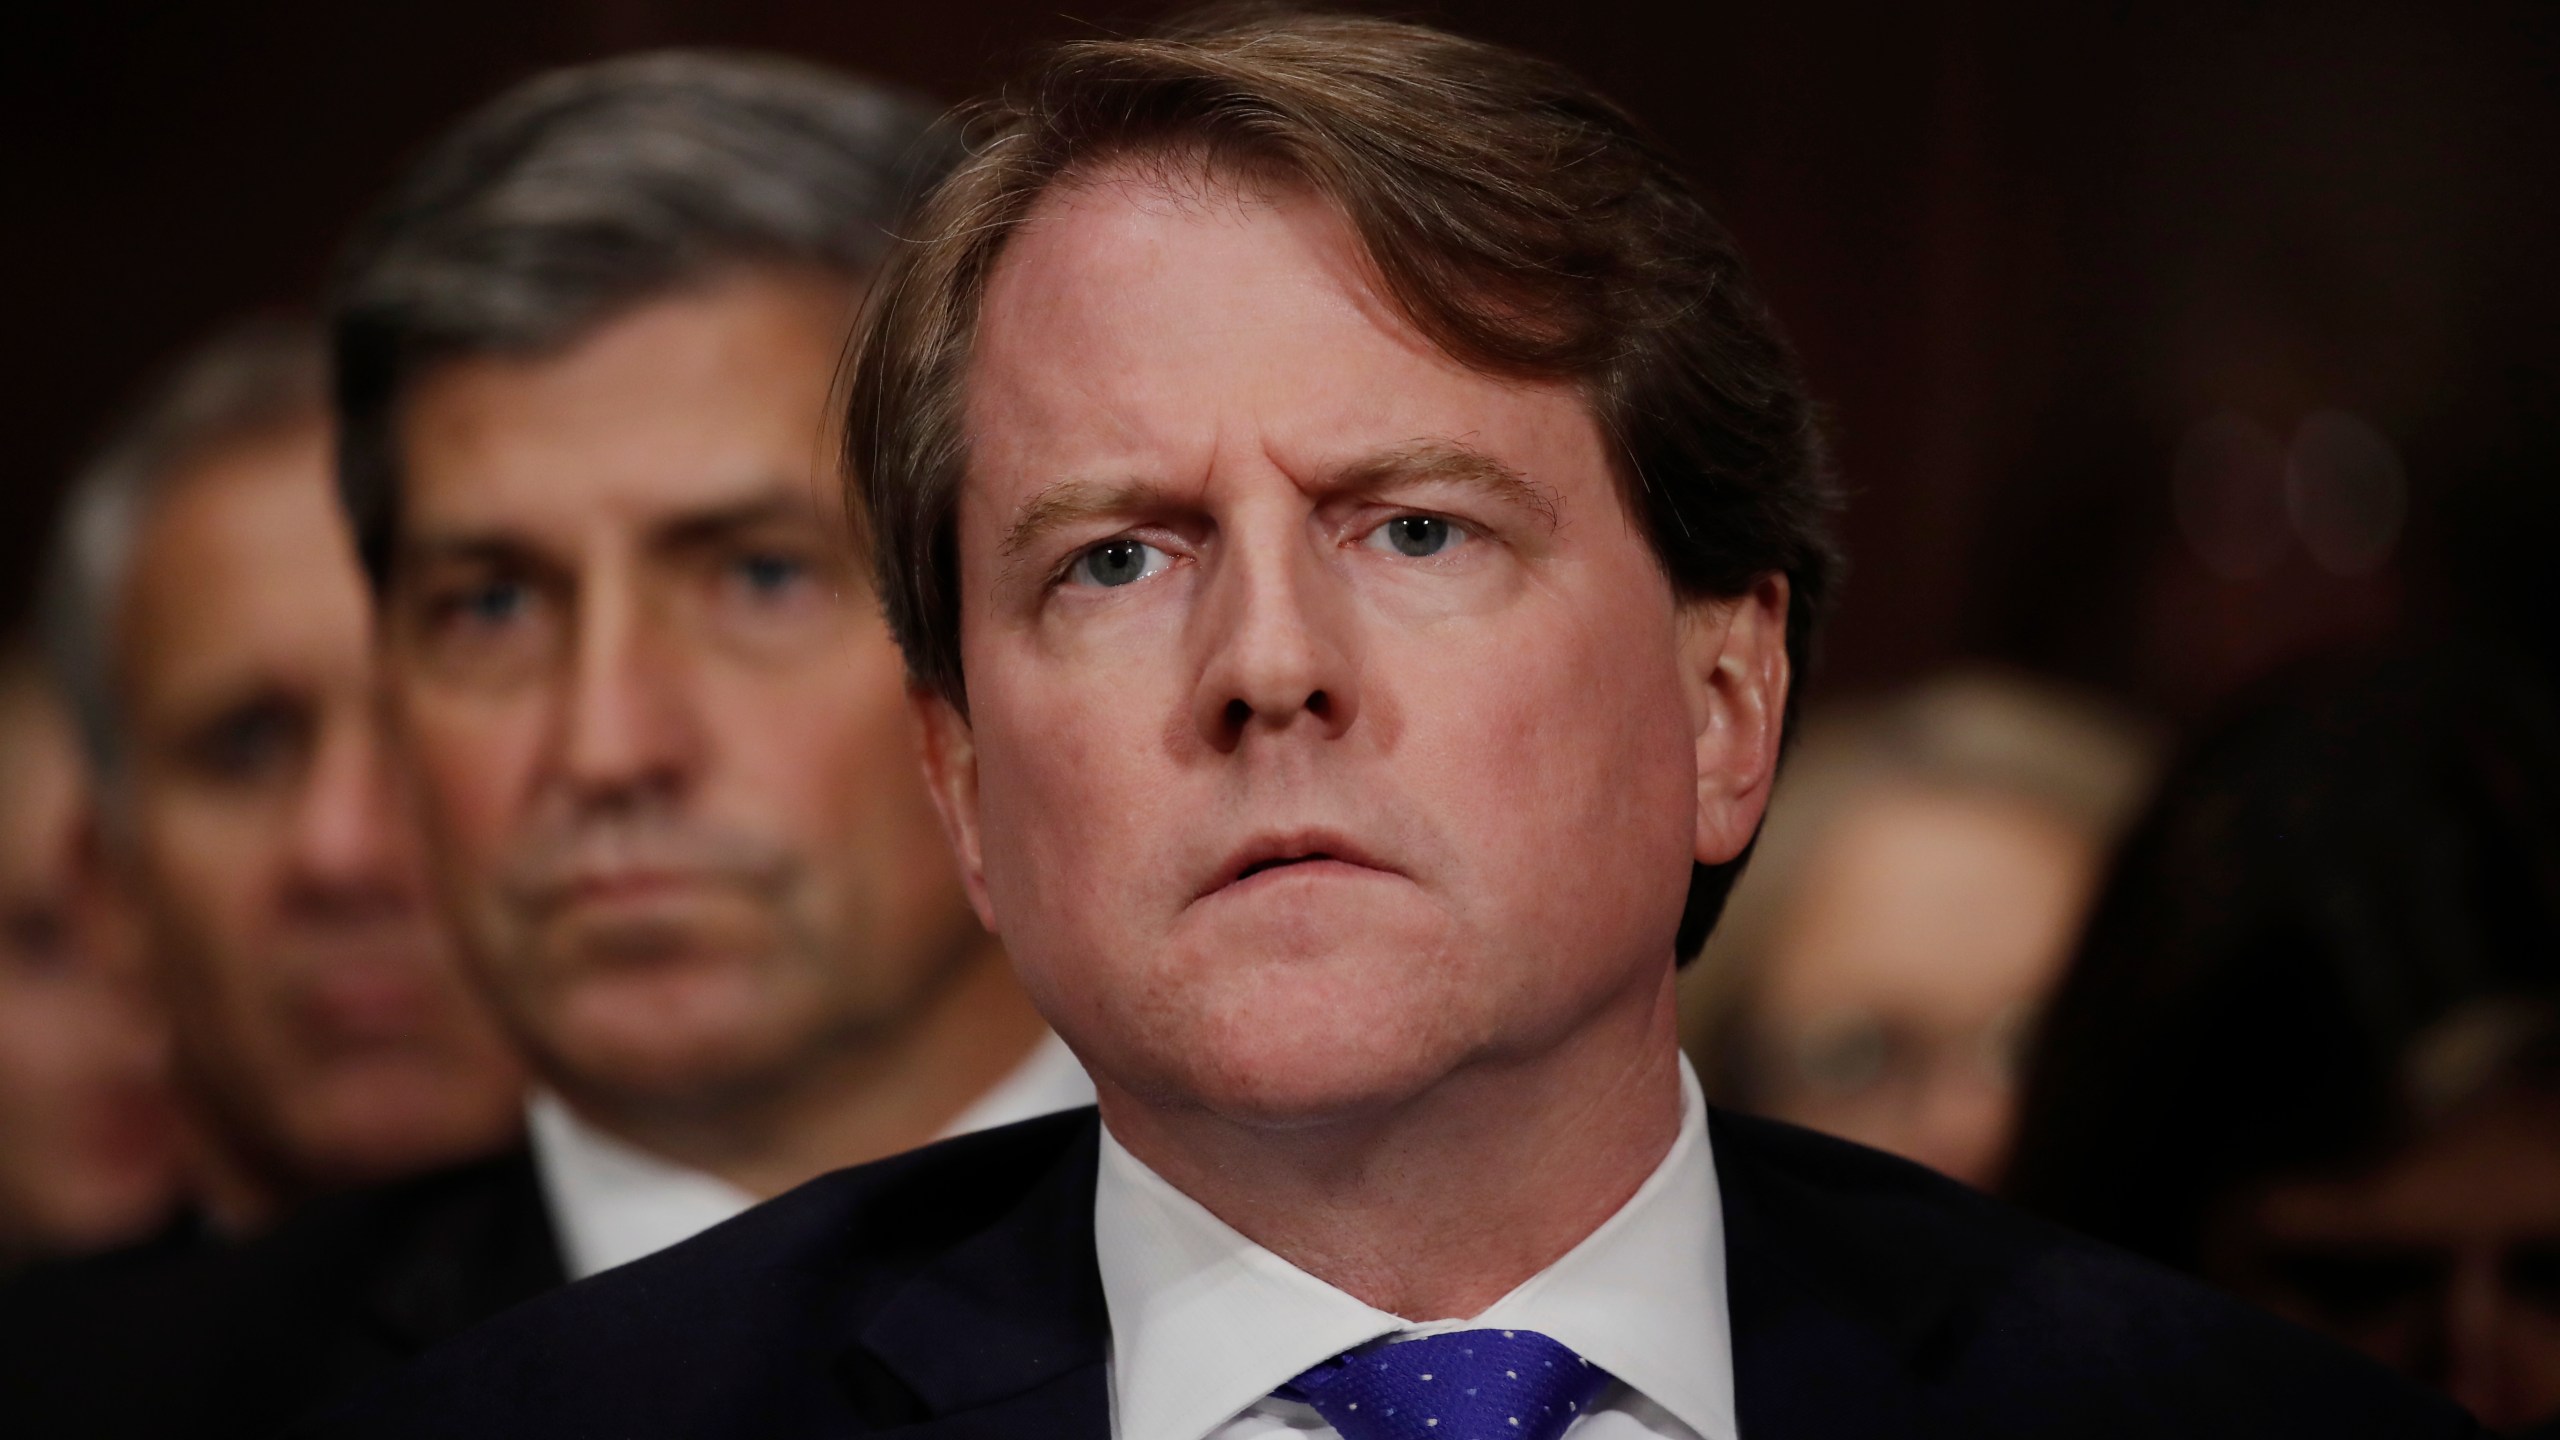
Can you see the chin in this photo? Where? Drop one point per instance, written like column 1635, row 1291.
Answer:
column 1301, row 1038
column 400, row 1120
column 1285, row 1086
column 674, row 1035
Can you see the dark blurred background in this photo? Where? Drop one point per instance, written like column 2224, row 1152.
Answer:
column 2162, row 341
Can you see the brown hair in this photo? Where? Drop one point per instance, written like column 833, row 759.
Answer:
column 1519, row 220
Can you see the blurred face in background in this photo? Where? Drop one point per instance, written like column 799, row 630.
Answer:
column 660, row 726
column 88, row 1141
column 320, row 1016
column 1903, row 975
column 2441, row 1261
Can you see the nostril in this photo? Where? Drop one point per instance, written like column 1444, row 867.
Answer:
column 1239, row 714
column 1320, row 705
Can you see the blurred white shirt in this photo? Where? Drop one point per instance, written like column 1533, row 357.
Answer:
column 1205, row 1323
column 612, row 1202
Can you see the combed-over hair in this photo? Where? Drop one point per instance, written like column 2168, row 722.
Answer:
column 1519, row 220
column 588, row 191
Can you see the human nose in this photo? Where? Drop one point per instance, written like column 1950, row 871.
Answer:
column 352, row 850
column 627, row 733
column 1280, row 648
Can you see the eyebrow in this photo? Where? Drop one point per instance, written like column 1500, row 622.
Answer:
column 1069, row 502
column 692, row 529
column 1448, row 462
column 719, row 522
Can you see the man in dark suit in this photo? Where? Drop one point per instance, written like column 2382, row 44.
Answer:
column 207, row 617
column 668, row 779
column 1352, row 528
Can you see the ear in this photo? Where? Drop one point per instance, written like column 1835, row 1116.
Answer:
column 950, row 753
column 1733, row 660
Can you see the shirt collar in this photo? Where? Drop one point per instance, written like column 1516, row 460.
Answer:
column 1205, row 1322
column 612, row 1202
column 1048, row 1080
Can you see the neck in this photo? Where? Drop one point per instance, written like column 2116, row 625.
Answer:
column 868, row 1097
column 1545, row 1149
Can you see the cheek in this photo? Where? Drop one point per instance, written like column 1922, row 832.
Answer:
column 474, row 762
column 210, row 869
column 1567, row 773
column 1076, row 801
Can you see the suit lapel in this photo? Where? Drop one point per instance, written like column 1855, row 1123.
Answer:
column 478, row 1250
column 1006, row 1334
column 1827, row 1324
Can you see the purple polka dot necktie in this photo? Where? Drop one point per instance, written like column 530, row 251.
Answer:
column 1464, row 1385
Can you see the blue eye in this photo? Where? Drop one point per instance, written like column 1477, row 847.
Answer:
column 492, row 604
column 770, row 574
column 1118, row 562
column 1418, row 536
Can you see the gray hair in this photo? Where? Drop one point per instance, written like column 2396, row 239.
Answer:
column 254, row 379
column 588, row 190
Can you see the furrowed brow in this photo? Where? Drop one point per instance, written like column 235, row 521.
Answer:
column 1448, row 462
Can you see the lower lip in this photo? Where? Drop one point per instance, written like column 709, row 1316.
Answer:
column 624, row 888
column 1302, row 870
column 370, row 1008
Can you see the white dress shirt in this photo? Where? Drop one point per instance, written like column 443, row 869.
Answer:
column 612, row 1202
column 1205, row 1323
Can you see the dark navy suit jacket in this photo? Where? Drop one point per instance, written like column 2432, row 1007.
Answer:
column 952, row 1294
column 232, row 1342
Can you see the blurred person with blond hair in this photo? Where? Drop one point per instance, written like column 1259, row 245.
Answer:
column 1914, row 895
column 88, row 1140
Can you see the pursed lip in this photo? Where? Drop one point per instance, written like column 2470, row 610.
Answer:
column 1285, row 848
column 622, row 889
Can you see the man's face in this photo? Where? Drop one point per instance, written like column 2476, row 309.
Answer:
column 315, row 997
column 2440, row 1259
column 669, row 776
column 1332, row 727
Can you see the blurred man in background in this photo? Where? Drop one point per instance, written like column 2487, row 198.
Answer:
column 208, row 617
column 211, row 626
column 657, row 727
column 584, row 358
column 1925, row 867
column 2310, row 1046
column 88, row 1138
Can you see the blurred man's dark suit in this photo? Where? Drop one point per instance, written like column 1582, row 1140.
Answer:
column 242, row 1340
column 953, row 1294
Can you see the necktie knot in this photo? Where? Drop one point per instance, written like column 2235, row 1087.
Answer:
column 1463, row 1385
